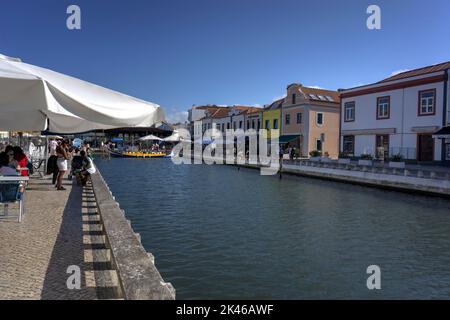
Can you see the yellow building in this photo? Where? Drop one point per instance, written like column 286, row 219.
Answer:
column 271, row 119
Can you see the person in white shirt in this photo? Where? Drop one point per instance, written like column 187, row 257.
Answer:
column 52, row 147
column 88, row 167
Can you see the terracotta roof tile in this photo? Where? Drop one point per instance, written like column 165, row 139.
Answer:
column 418, row 72
column 316, row 94
column 253, row 110
column 220, row 113
column 212, row 107
column 242, row 107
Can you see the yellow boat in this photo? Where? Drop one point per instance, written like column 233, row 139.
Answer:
column 139, row 155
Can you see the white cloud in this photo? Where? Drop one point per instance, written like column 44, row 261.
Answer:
column 177, row 117
column 314, row 87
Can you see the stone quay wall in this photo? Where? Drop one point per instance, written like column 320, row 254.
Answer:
column 428, row 181
column 138, row 276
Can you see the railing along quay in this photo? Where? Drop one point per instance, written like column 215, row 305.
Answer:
column 431, row 172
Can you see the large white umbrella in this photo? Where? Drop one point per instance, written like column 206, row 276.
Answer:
column 32, row 97
column 150, row 137
column 175, row 137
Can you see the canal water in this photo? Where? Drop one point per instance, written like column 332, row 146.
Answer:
column 221, row 233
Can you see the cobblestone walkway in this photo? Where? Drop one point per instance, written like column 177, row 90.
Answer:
column 60, row 229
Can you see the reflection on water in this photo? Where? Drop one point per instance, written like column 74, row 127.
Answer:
column 220, row 233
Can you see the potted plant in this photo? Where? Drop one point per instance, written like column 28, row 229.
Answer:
column 315, row 155
column 396, row 161
column 365, row 159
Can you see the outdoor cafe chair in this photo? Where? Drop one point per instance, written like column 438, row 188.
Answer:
column 9, row 193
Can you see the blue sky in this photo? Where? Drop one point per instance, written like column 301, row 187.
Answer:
column 185, row 52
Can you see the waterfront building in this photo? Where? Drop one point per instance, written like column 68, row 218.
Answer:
column 271, row 116
column 310, row 120
column 235, row 118
column 200, row 118
column 238, row 116
column 253, row 119
column 398, row 116
column 219, row 118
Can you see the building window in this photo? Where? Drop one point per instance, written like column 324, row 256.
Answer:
column 294, row 98
column 383, row 107
column 223, row 127
column 248, row 124
column 349, row 111
column 253, row 124
column 288, row 119
column 348, row 145
column 318, row 145
column 319, row 118
column 299, row 118
column 228, row 125
column 267, row 125
column 240, row 124
column 427, row 102
column 275, row 123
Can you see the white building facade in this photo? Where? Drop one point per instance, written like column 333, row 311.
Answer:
column 398, row 116
column 222, row 123
column 253, row 119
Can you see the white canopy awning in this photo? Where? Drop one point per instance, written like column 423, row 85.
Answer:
column 30, row 95
column 443, row 133
column 150, row 137
column 173, row 138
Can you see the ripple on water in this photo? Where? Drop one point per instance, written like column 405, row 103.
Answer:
column 219, row 233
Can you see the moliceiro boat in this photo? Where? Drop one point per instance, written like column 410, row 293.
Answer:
column 139, row 155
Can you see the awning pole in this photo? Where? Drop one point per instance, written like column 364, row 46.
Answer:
column 45, row 155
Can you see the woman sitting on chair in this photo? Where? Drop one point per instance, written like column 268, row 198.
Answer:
column 5, row 169
column 22, row 161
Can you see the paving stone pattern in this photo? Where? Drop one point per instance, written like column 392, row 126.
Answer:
column 60, row 229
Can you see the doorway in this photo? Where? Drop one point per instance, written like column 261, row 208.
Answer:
column 382, row 146
column 425, row 147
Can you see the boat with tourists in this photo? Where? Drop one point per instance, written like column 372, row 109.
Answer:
column 139, row 154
